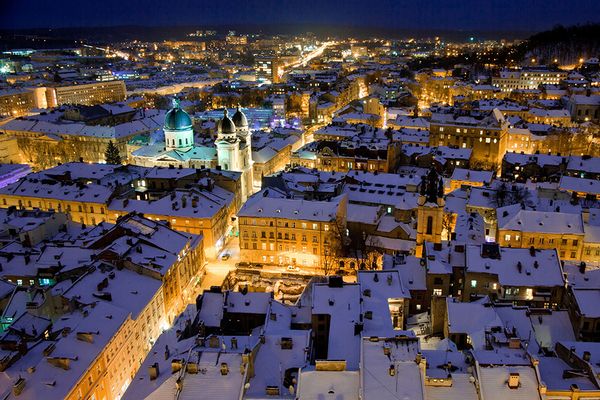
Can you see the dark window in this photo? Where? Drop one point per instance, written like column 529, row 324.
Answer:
column 429, row 225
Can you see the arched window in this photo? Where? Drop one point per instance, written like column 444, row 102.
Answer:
column 429, row 225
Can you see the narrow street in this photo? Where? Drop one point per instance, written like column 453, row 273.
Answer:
column 217, row 269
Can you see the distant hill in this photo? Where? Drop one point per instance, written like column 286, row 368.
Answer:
column 565, row 44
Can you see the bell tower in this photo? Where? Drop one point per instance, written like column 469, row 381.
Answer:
column 228, row 144
column 430, row 211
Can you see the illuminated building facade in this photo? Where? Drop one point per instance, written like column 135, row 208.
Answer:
column 486, row 135
column 280, row 231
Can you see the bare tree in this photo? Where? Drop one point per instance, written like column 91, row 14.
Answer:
column 334, row 246
column 448, row 222
column 507, row 194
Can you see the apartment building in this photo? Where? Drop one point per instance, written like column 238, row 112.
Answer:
column 485, row 133
column 282, row 231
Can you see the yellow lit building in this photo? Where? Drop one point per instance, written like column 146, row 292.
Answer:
column 207, row 211
column 280, row 231
column 541, row 230
column 16, row 102
column 87, row 93
column 486, row 136
column 111, row 315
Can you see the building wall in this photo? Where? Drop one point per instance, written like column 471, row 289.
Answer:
column 40, row 151
column 569, row 247
column 285, row 241
column 269, row 167
column 488, row 144
column 429, row 224
column 15, row 104
column 79, row 211
column 89, row 93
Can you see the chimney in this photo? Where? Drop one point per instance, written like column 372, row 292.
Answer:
column 153, row 371
column 587, row 356
column 224, row 369
column 18, row 386
column 176, row 365
column 61, row 362
column 286, row 343
column 513, row 380
column 86, row 336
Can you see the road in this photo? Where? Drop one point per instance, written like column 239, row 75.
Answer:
column 305, row 59
column 217, row 269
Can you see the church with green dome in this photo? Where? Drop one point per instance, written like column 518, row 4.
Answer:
column 179, row 134
column 230, row 150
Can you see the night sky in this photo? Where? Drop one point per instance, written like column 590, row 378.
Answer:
column 529, row 15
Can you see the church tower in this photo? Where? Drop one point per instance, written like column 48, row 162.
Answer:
column 430, row 211
column 245, row 136
column 179, row 134
column 228, row 145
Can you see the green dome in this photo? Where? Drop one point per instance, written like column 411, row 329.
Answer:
column 177, row 119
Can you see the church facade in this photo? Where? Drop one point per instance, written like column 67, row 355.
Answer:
column 231, row 149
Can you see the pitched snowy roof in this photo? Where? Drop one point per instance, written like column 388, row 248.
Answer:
column 516, row 219
column 540, row 268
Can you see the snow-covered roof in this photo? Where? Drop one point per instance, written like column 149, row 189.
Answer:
column 343, row 305
column 472, row 319
column 316, row 385
column 514, row 218
column 378, row 383
column 580, row 185
column 383, row 287
column 461, row 174
column 493, row 383
column 53, row 382
column 362, row 214
column 261, row 205
column 518, row 267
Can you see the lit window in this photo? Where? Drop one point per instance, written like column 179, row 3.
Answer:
column 529, row 293
column 473, row 283
column 437, row 292
column 507, row 237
